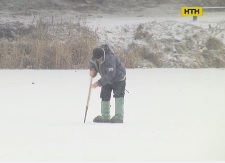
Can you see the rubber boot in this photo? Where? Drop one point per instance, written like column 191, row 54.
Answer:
column 105, row 111
column 119, row 111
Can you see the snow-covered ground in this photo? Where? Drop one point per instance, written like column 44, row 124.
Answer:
column 170, row 114
column 120, row 30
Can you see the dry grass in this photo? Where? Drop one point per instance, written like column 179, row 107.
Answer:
column 62, row 46
column 49, row 46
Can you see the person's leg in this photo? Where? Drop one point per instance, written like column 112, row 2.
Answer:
column 105, row 105
column 119, row 92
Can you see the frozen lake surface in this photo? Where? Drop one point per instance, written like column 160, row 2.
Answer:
column 170, row 114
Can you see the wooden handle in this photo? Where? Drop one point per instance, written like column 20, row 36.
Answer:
column 88, row 99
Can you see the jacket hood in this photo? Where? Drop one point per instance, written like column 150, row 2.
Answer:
column 106, row 50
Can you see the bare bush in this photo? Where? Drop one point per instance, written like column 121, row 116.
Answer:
column 142, row 34
column 218, row 29
column 130, row 57
column 213, row 43
column 135, row 54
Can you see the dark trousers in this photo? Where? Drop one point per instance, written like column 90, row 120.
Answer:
column 118, row 89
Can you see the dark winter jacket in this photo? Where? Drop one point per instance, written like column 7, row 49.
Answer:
column 110, row 69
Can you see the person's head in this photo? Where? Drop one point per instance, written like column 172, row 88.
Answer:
column 98, row 53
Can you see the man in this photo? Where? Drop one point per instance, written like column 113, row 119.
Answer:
column 113, row 78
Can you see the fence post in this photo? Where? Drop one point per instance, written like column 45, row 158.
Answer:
column 194, row 18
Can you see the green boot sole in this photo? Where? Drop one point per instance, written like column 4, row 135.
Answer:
column 101, row 119
column 116, row 119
